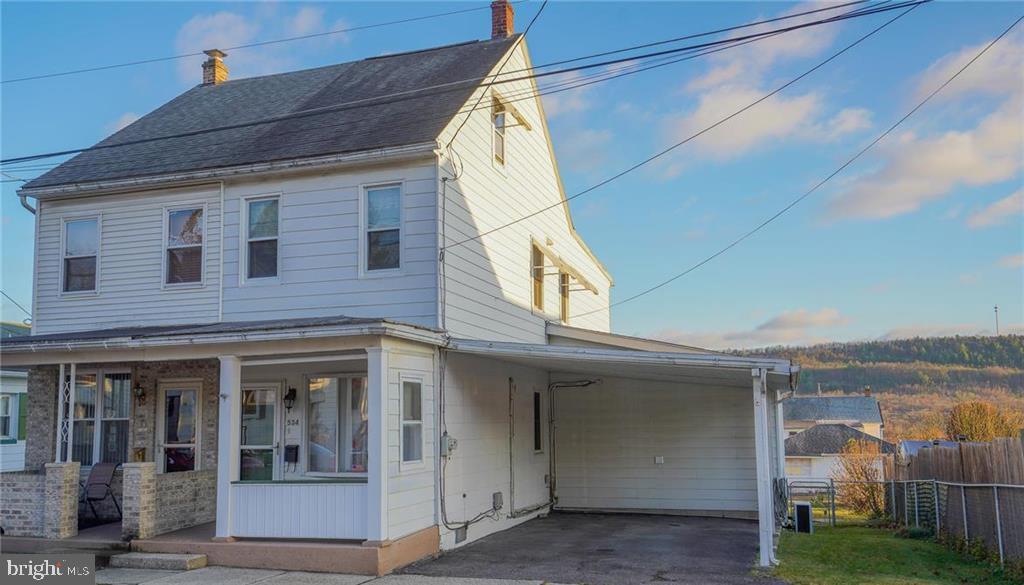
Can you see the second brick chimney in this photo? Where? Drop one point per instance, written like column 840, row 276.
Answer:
column 214, row 69
column 502, row 24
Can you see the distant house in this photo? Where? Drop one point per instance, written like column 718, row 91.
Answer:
column 910, row 448
column 13, row 406
column 861, row 412
column 813, row 453
column 10, row 329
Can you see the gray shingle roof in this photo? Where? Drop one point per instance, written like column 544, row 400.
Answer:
column 822, row 408
column 380, row 123
column 828, row 439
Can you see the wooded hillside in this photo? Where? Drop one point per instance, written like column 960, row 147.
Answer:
column 915, row 380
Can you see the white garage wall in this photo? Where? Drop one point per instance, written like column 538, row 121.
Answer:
column 607, row 438
column 477, row 415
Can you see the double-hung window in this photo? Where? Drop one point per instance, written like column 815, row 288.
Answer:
column 337, row 423
column 101, row 414
column 184, row 253
column 412, row 421
column 498, row 121
column 81, row 246
column 261, row 238
column 6, row 427
column 383, row 227
column 537, row 271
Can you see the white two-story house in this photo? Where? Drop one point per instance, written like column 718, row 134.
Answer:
column 308, row 306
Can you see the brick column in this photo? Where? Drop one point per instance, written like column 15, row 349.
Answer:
column 60, row 519
column 138, row 501
column 41, row 419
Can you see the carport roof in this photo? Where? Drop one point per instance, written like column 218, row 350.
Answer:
column 694, row 368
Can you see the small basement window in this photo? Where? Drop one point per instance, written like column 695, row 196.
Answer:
column 81, row 246
column 184, row 246
column 498, row 118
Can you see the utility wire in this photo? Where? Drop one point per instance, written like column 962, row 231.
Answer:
column 248, row 46
column 705, row 130
column 411, row 94
column 817, row 186
column 628, row 68
column 16, row 303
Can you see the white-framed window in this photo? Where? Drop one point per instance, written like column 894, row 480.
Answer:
column 563, row 291
column 6, row 423
column 178, row 424
column 183, row 256
column 538, row 429
column 498, row 123
column 262, row 229
column 336, row 425
column 101, row 417
column 81, row 244
column 537, row 273
column 382, row 227
column 412, row 421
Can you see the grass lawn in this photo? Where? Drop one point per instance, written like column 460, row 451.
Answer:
column 874, row 556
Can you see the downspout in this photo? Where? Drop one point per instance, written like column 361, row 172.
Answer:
column 24, row 203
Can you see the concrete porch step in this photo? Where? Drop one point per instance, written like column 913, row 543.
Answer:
column 164, row 561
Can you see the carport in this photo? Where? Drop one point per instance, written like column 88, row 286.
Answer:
column 691, row 438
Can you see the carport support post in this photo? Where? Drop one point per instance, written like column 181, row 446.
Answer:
column 229, row 421
column 765, row 514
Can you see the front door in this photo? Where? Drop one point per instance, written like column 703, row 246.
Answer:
column 259, row 440
column 178, row 426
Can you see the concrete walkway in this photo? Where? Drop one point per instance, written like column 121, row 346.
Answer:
column 231, row 576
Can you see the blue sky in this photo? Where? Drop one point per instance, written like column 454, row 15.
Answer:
column 922, row 236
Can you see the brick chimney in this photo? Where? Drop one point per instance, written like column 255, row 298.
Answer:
column 502, row 25
column 214, row 69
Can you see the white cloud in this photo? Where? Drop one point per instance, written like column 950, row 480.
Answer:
column 122, row 121
column 917, row 170
column 997, row 72
column 584, row 150
column 569, row 101
column 795, row 327
column 209, row 31
column 306, row 21
column 999, row 212
column 847, row 121
column 1012, row 261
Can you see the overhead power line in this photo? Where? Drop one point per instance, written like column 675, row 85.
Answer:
column 249, row 45
column 455, row 86
column 624, row 69
column 818, row 185
column 691, row 137
column 16, row 303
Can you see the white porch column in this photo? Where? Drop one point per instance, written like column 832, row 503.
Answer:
column 377, row 444
column 65, row 413
column 228, row 436
column 780, row 434
column 763, row 455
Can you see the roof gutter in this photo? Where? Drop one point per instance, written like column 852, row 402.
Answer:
column 346, row 159
column 24, row 203
column 290, row 333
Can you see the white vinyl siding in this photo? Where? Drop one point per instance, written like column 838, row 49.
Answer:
column 130, row 279
column 488, row 280
column 318, row 249
column 609, row 436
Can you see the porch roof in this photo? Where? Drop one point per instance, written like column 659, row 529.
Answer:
column 684, row 367
column 168, row 335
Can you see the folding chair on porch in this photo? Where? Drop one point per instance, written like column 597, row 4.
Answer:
column 96, row 487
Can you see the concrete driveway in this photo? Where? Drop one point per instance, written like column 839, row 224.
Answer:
column 609, row 549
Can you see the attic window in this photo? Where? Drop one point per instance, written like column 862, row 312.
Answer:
column 537, row 266
column 498, row 119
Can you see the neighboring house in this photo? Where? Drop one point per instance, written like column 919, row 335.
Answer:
column 909, row 448
column 328, row 327
column 813, row 454
column 12, row 420
column 8, row 329
column 861, row 412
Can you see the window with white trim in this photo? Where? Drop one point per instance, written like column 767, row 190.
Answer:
column 337, row 421
column 498, row 119
column 383, row 239
column 412, row 421
column 101, row 413
column 184, row 253
column 537, row 272
column 6, row 428
column 563, row 290
column 81, row 245
column 261, row 248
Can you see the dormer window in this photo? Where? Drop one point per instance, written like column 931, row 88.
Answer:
column 498, row 119
column 81, row 245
